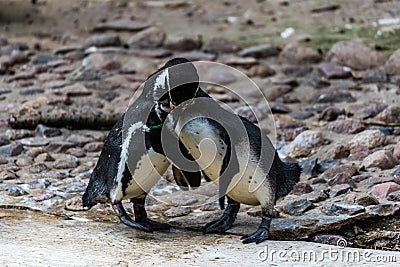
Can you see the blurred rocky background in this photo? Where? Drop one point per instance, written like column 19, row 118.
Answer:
column 329, row 69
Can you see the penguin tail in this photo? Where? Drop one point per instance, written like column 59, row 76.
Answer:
column 95, row 190
column 289, row 177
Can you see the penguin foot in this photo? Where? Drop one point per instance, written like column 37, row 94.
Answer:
column 153, row 225
column 257, row 237
column 219, row 226
column 124, row 217
column 225, row 222
column 261, row 234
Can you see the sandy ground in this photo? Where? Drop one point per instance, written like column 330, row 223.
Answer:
column 36, row 240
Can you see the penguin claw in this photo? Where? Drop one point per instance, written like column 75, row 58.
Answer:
column 257, row 237
column 154, row 226
column 125, row 219
column 219, row 226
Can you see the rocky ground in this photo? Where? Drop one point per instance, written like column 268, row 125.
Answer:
column 335, row 102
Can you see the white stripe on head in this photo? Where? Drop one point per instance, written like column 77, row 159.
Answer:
column 159, row 84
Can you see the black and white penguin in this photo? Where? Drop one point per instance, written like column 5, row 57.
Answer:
column 132, row 159
column 233, row 152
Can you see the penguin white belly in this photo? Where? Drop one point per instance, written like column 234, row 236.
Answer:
column 199, row 136
column 148, row 171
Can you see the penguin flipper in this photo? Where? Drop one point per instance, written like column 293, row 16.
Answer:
column 186, row 179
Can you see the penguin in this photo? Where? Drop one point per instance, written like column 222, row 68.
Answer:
column 233, row 152
column 132, row 159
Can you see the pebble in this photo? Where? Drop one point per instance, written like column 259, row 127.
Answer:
column 298, row 54
column 301, row 188
column 197, row 56
column 334, row 240
column 44, row 157
column 373, row 110
column 348, row 126
column 336, row 208
column 341, row 178
column 93, row 147
column 384, row 189
column 384, row 209
column 121, row 25
column 347, row 169
column 44, row 131
column 11, row 150
column 298, row 207
column 153, row 53
column 177, row 211
column 101, row 40
column 44, row 194
column 67, row 162
column 359, row 152
column 219, row 45
column 59, row 146
column 335, row 96
column 382, row 159
column 363, row 199
column 304, row 143
column 3, row 160
column 100, row 61
column 151, row 37
column 390, row 115
column 183, row 43
column 76, row 151
column 13, row 190
column 375, row 76
column 297, row 71
column 394, row 196
column 338, row 152
column 260, row 51
column 369, row 139
column 79, row 139
column 301, row 115
column 261, row 70
column 4, row 140
column 75, row 204
column 23, row 161
column 34, row 141
column 392, row 65
column 355, row 56
column 39, row 184
column 39, row 167
column 331, row 113
column 396, row 151
column 223, row 78
column 331, row 70
column 339, row 189
column 277, row 91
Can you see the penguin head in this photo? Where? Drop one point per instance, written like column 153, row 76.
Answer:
column 174, row 83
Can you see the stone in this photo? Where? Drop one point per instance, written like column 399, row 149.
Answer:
column 11, row 150
column 75, row 204
column 177, row 211
column 260, row 51
column 197, row 56
column 151, row 37
column 277, row 91
column 39, row 167
column 13, row 190
column 44, row 194
column 359, row 152
column 348, row 169
column 83, row 74
column 59, row 146
column 355, row 56
column 93, row 147
column 121, row 25
column 369, row 139
column 331, row 70
column 348, row 126
column 261, row 70
column 31, row 91
column 339, row 189
column 3, row 160
column 335, row 96
column 336, row 208
column 74, row 187
column 23, row 161
column 363, row 199
column 301, row 188
column 372, row 110
column 39, row 184
column 384, row 189
column 382, row 159
column 79, row 139
column 301, row 115
column 394, row 196
column 34, row 141
column 384, row 209
column 298, row 207
column 297, row 71
column 392, row 65
column 44, row 157
column 396, row 151
column 338, row 152
column 331, row 113
column 44, row 131
column 67, row 162
column 153, row 53
column 390, row 115
column 341, row 178
column 232, row 60
column 4, row 140
column 304, row 143
column 183, row 43
column 43, row 59
column 396, row 173
column 76, row 151
column 101, row 40
column 219, row 45
column 223, row 78
column 298, row 54
column 100, row 61
column 318, row 196
column 375, row 76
